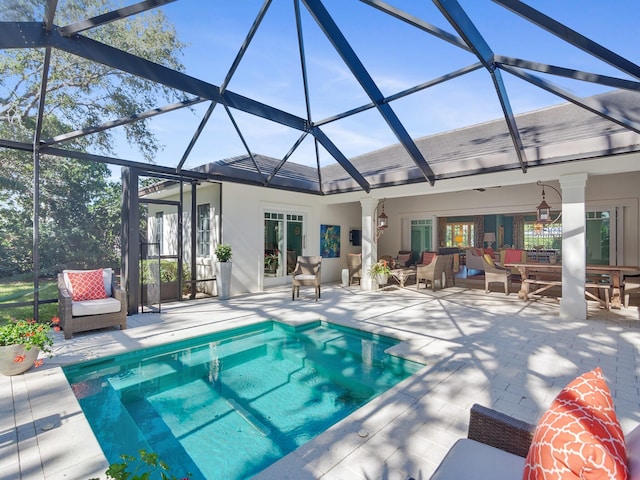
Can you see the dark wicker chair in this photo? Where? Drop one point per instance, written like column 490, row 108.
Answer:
column 306, row 273
column 500, row 430
column 472, row 457
column 71, row 324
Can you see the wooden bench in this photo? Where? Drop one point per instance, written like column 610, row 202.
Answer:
column 547, row 284
column 604, row 287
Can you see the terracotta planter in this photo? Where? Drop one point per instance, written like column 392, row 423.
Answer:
column 8, row 355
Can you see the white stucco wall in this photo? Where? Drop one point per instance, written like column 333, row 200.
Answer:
column 242, row 227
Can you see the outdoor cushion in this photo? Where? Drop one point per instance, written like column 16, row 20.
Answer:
column 427, row 258
column 305, row 277
column 512, row 256
column 486, row 461
column 579, row 437
column 106, row 274
column 489, row 259
column 404, row 259
column 87, row 285
column 95, row 307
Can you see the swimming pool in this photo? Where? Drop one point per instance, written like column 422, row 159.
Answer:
column 229, row 404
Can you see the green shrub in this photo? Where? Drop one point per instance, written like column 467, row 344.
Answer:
column 168, row 272
column 223, row 252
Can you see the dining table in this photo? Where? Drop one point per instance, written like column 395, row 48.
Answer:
column 530, row 270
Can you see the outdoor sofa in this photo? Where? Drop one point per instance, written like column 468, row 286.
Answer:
column 86, row 304
column 578, row 437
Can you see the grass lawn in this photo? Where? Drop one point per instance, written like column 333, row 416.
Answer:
column 20, row 289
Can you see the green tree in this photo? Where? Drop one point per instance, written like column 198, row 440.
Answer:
column 79, row 207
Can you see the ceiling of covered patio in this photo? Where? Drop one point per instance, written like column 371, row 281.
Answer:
column 478, row 100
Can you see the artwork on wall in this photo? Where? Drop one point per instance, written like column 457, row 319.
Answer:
column 330, row 241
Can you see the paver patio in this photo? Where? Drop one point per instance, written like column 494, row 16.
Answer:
column 491, row 349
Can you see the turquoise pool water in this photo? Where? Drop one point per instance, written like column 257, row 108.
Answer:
column 227, row 405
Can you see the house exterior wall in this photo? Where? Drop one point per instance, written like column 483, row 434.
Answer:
column 243, row 208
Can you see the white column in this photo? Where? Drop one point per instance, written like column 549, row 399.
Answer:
column 369, row 245
column 573, row 304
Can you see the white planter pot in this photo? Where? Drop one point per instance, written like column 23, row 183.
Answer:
column 223, row 279
column 382, row 279
column 9, row 354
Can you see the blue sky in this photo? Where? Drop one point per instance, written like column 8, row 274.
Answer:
column 396, row 55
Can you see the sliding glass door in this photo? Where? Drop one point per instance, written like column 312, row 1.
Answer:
column 602, row 225
column 284, row 241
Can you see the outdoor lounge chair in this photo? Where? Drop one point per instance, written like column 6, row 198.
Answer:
column 306, row 273
column 494, row 273
column 79, row 312
column 354, row 264
column 432, row 272
column 497, row 444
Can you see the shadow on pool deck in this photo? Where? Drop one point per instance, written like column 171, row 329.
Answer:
column 491, row 349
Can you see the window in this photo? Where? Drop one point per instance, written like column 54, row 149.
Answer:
column 539, row 236
column 159, row 231
column 280, row 230
column 421, row 233
column 460, row 234
column 203, row 238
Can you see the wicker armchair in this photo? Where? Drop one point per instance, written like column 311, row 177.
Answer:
column 83, row 322
column 306, row 273
column 495, row 448
column 496, row 274
column 354, row 263
column 432, row 272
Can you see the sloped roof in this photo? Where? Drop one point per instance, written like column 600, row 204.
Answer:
column 584, row 128
column 550, row 135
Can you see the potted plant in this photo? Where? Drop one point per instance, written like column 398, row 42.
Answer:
column 223, row 270
column 20, row 343
column 380, row 272
column 270, row 262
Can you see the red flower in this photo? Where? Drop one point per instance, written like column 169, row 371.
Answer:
column 55, row 320
column 19, row 358
column 56, row 328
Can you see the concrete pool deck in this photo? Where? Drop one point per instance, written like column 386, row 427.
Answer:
column 491, row 349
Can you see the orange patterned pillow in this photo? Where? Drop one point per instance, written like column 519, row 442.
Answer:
column 87, row 285
column 579, row 437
